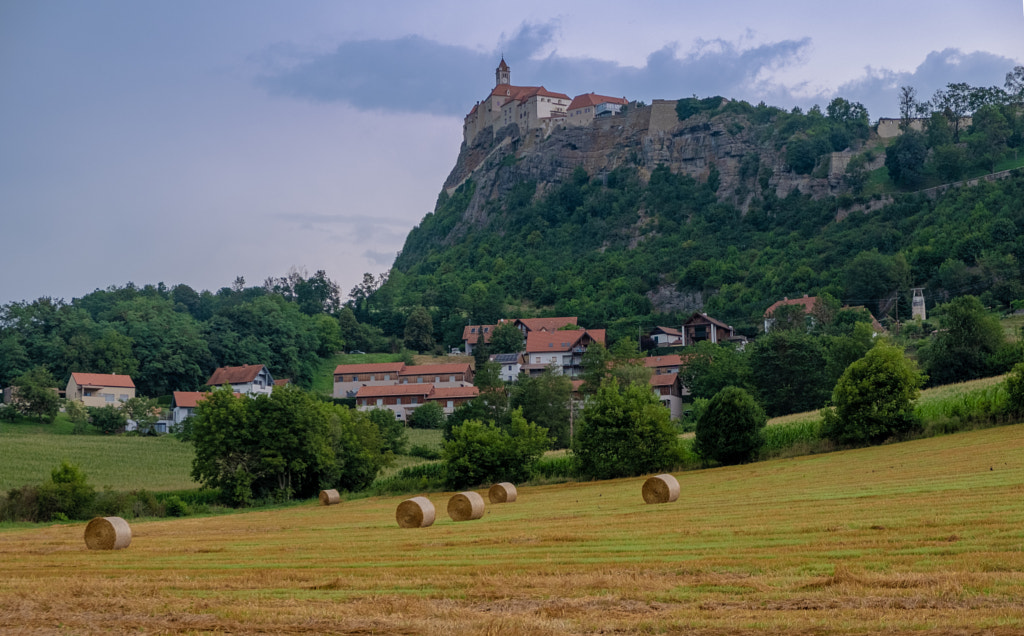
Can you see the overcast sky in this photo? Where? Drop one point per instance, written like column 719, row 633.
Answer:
column 196, row 141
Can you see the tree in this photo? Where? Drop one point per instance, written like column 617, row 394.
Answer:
column 1015, row 86
column 287, row 444
column 506, row 338
column 419, row 330
column 108, row 419
column 1015, row 389
column 990, row 131
column 964, row 348
column 624, row 432
column 427, row 416
column 955, row 104
column 712, row 367
column 789, row 372
column 479, row 453
column 874, row 399
column 143, row 411
column 544, row 400
column 870, row 277
column 67, row 494
column 392, row 431
column 904, row 159
column 731, row 428
column 37, row 394
column 909, row 106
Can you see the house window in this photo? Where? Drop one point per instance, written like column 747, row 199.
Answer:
column 451, row 378
column 380, row 401
column 398, row 401
column 451, row 404
column 419, row 380
column 108, row 397
column 355, row 378
column 123, row 397
column 414, row 401
column 387, row 376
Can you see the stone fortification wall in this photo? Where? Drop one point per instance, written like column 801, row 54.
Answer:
column 663, row 116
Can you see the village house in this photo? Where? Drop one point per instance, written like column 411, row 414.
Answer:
column 403, row 399
column 585, row 108
column 446, row 375
column 248, row 379
column 670, row 391
column 667, row 337
column 700, row 327
column 807, row 303
column 471, row 334
column 348, row 378
column 511, row 365
column 664, row 365
column 562, row 349
column 100, row 389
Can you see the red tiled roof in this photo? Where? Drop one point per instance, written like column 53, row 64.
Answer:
column 103, row 379
column 523, row 93
column 665, row 379
column 369, row 367
column 394, row 389
column 282, row 382
column 436, row 369
column 541, row 341
column 806, row 301
column 591, row 99
column 454, row 393
column 502, row 66
column 663, row 361
column 187, row 399
column 471, row 333
column 235, row 375
column 546, row 324
column 597, row 334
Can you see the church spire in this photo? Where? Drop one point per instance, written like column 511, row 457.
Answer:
column 502, row 74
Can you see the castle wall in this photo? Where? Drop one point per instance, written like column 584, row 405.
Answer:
column 663, row 116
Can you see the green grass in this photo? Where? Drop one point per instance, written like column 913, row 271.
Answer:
column 431, row 438
column 119, row 462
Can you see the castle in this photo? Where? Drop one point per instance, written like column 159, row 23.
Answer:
column 533, row 107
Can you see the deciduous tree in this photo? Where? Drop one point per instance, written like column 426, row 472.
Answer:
column 731, row 428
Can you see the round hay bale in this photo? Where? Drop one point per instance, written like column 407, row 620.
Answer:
column 107, row 533
column 417, row 512
column 329, row 497
column 466, row 506
column 661, row 489
column 502, row 493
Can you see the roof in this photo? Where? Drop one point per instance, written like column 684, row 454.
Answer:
column 592, row 99
column 699, row 317
column 394, row 389
column 546, row 324
column 663, row 361
column 523, row 93
column 282, row 382
column 102, row 379
column 668, row 331
column 187, row 399
column 502, row 65
column 806, row 301
column 665, row 379
column 372, row 367
column 471, row 333
column 541, row 341
column 235, row 375
column 437, row 369
column 505, row 358
column 454, row 392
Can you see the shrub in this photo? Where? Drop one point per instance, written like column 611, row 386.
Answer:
column 1015, row 390
column 874, row 399
column 429, row 415
column 479, row 453
column 175, row 507
column 108, row 419
column 426, row 452
column 730, row 431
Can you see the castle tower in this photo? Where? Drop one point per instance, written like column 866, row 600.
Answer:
column 502, row 74
column 917, row 304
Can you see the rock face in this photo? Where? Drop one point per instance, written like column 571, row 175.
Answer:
column 748, row 162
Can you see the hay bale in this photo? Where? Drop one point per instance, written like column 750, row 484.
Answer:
column 107, row 533
column 466, row 506
column 417, row 512
column 329, row 497
column 661, row 489
column 502, row 493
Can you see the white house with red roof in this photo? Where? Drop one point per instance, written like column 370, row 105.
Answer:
column 248, row 379
column 403, row 399
column 807, row 303
column 447, row 375
column 99, row 389
column 561, row 349
column 585, row 108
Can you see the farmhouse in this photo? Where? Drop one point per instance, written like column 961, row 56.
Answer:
column 248, row 379
column 471, row 334
column 100, row 389
column 457, row 374
column 402, row 399
column 562, row 349
column 348, row 378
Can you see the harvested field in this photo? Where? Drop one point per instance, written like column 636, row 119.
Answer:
column 925, row 537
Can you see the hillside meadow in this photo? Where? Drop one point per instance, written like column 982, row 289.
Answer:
column 924, row 537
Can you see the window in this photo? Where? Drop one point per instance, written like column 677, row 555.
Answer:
column 451, row 404
column 414, row 401
column 419, row 380
column 355, row 378
column 398, row 401
column 387, row 376
column 123, row 397
column 380, row 401
column 108, row 397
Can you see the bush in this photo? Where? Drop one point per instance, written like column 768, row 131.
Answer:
column 108, row 419
column 624, row 433
column 874, row 399
column 426, row 452
column 730, row 431
column 429, row 415
column 1015, row 390
column 175, row 507
column 480, row 453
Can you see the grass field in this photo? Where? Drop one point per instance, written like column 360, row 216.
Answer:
column 924, row 537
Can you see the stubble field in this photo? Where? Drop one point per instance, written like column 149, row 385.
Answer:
column 921, row 537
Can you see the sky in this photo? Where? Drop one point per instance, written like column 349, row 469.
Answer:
column 194, row 142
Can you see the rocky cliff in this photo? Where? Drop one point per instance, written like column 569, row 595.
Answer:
column 747, row 159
